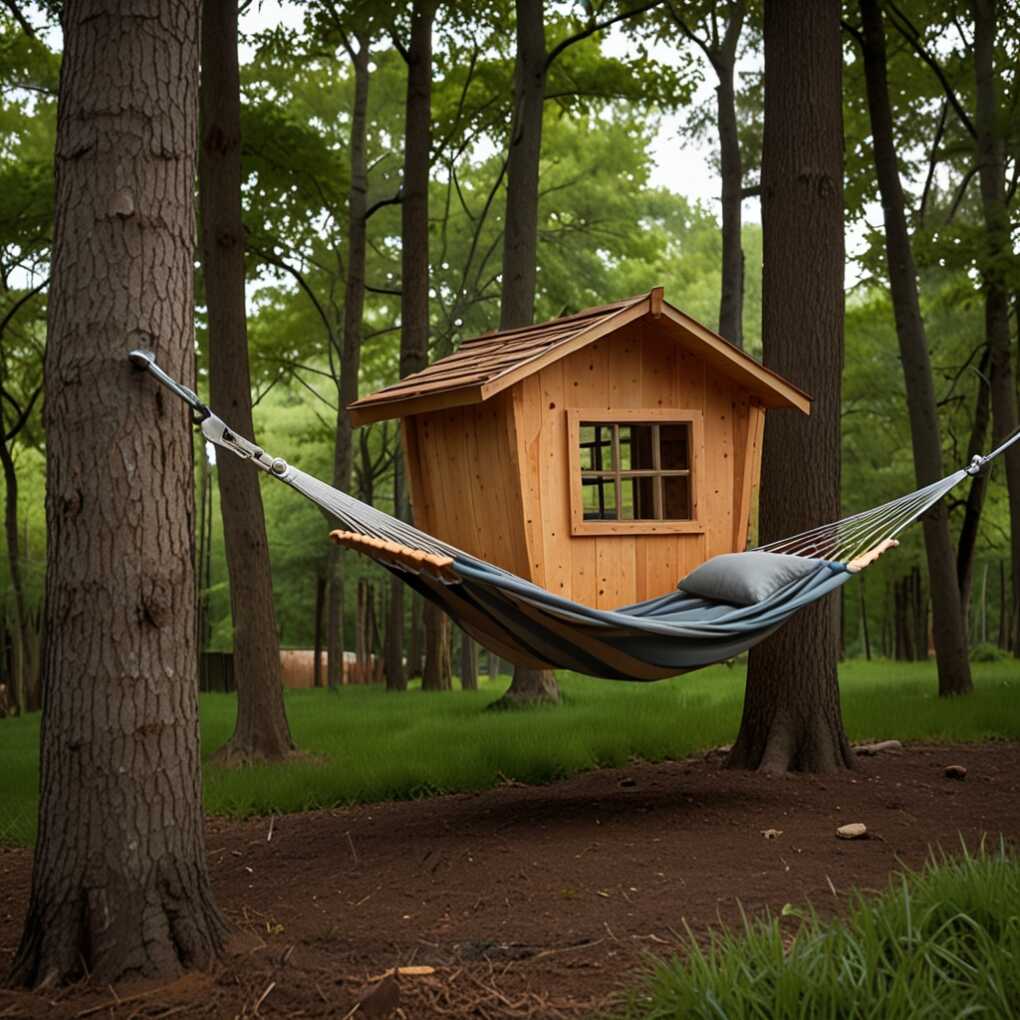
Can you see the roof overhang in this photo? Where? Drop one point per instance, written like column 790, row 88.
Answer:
column 462, row 379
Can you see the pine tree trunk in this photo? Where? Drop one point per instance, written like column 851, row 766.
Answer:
column 119, row 884
column 261, row 730
column 791, row 717
column 865, row 634
column 468, row 663
column 925, row 433
column 990, row 122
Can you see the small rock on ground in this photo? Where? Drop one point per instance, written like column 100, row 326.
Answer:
column 956, row 772
column 854, row 830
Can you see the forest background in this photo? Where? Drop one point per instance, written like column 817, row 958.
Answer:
column 616, row 217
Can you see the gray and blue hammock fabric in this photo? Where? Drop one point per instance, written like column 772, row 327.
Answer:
column 522, row 622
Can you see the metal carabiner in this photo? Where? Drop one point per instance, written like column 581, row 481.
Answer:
column 145, row 361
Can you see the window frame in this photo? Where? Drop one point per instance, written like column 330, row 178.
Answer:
column 634, row 416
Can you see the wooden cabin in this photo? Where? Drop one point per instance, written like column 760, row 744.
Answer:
column 602, row 455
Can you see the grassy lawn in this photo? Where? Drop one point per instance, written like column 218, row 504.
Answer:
column 940, row 943
column 369, row 745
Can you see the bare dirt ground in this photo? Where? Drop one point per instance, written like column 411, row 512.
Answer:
column 538, row 902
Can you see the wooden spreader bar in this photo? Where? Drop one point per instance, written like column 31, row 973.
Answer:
column 399, row 555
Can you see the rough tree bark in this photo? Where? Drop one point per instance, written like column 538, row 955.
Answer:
column 925, row 433
column 721, row 52
column 989, row 122
column 791, row 718
column 520, row 250
column 119, row 884
column 261, row 730
column 350, row 349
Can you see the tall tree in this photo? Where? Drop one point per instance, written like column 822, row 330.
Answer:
column 350, row 347
column 791, row 718
column 520, row 248
column 948, row 630
column 719, row 44
column 261, row 729
column 414, row 296
column 119, row 883
column 990, row 123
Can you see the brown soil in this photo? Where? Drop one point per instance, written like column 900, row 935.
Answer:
column 536, row 901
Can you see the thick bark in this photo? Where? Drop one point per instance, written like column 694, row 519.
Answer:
column 261, row 729
column 791, row 717
column 350, row 349
column 468, row 663
column 990, row 122
column 119, row 884
column 925, row 433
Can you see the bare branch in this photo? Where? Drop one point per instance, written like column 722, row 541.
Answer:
column 596, row 26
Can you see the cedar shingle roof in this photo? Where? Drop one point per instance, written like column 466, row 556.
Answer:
column 490, row 363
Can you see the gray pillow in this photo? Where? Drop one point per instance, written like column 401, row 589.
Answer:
column 745, row 578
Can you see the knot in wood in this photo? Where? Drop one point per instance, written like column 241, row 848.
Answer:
column 122, row 204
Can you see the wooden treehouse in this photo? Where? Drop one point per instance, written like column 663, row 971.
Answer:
column 602, row 455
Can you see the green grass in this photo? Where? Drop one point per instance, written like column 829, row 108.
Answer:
column 367, row 745
column 939, row 943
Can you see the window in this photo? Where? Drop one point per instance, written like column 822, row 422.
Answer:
column 634, row 471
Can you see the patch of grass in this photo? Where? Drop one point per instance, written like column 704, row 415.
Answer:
column 943, row 942
column 367, row 745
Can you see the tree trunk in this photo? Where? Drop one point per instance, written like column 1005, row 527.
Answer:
column 731, row 301
column 436, row 673
column 520, row 247
column 967, row 543
column 991, row 122
column 468, row 664
column 320, row 603
column 261, row 730
column 20, row 665
column 791, row 717
column 950, row 635
column 350, row 349
column 120, row 887
column 415, row 647
column 520, row 233
column 865, row 635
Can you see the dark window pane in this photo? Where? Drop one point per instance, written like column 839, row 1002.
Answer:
column 642, row 456
column 674, row 440
column 598, row 499
column 596, row 447
column 638, row 500
column 676, row 498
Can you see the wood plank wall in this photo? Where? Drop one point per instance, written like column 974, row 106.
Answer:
column 493, row 478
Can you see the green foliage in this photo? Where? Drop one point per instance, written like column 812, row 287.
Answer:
column 366, row 744
column 942, row 942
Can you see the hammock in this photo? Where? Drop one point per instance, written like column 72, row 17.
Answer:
column 522, row 622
